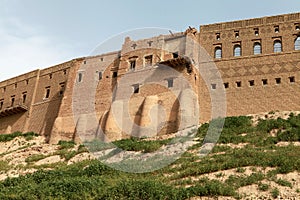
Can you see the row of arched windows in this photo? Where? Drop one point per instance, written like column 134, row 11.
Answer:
column 237, row 49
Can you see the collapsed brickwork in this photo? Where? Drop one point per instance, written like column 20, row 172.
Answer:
column 258, row 61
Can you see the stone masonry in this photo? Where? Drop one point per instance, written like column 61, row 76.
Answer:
column 156, row 86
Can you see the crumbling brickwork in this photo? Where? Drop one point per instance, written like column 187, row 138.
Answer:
column 258, row 61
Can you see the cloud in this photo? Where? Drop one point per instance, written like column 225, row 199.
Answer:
column 23, row 49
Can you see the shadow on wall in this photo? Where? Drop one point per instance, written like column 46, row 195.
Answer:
column 12, row 123
column 174, row 118
column 51, row 114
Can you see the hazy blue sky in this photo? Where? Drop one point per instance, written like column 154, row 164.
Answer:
column 37, row 34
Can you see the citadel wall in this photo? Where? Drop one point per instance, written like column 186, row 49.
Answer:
column 258, row 60
column 257, row 74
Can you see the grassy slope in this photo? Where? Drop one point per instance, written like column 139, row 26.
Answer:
column 185, row 178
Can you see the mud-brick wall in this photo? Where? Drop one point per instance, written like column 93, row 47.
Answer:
column 22, row 90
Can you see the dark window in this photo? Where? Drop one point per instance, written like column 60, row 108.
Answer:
column 257, row 48
column 238, row 84
column 297, row 43
column 150, row 43
column 84, row 62
column 237, row 50
column 16, row 85
column 4, row 89
column 236, row 34
column 27, row 82
column 115, row 74
column 278, row 80
column 65, row 71
column 132, row 65
column 213, row 86
column 47, row 92
column 175, row 55
column 79, row 77
column 101, row 59
column 62, row 88
column 50, row 76
column 277, row 46
column 148, row 60
column 134, row 46
column 256, row 31
column 265, row 81
column 251, row 83
column 12, row 101
column 226, row 85
column 136, row 88
column 24, row 97
column 292, row 79
column 218, row 52
column 1, row 103
column 218, row 36
column 170, row 83
column 100, row 75
column 276, row 29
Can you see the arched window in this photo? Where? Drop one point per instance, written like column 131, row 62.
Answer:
column 277, row 46
column 297, row 43
column 218, row 52
column 256, row 48
column 237, row 50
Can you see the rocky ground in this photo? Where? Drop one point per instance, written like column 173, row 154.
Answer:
column 22, row 156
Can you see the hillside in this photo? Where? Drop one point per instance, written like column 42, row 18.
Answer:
column 257, row 157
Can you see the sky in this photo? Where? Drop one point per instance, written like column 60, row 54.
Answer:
column 36, row 34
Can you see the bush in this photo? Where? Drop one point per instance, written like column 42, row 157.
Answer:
column 284, row 183
column 66, row 154
column 292, row 134
column 66, row 144
column 275, row 193
column 238, row 124
column 271, row 124
column 9, row 137
column 135, row 144
column 143, row 189
column 4, row 166
column 263, row 187
column 211, row 188
column 35, row 157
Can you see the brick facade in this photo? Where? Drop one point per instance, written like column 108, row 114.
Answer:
column 258, row 61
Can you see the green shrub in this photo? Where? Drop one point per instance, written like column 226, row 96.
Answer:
column 238, row 124
column 97, row 168
column 240, row 170
column 241, row 181
column 143, row 189
column 263, row 187
column 292, row 134
column 35, row 157
column 30, row 135
column 283, row 182
column 66, row 154
column 82, row 149
column 9, row 137
column 66, row 144
column 207, row 187
column 271, row 124
column 135, row 144
column 275, row 193
column 4, row 165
